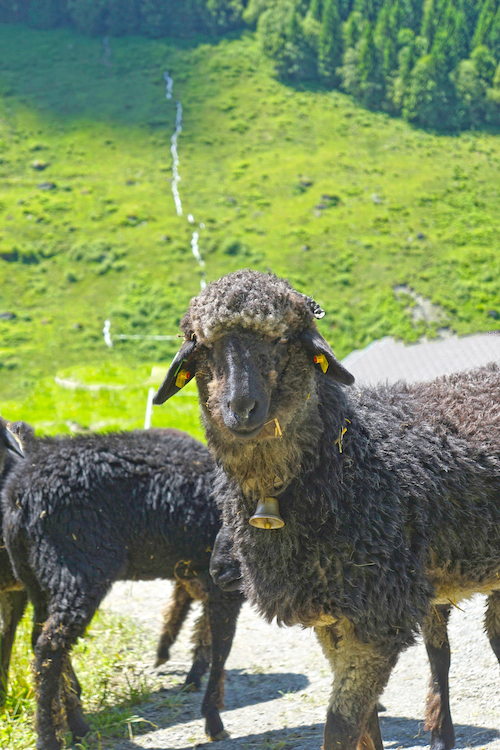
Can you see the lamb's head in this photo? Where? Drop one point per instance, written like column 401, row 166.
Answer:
column 253, row 344
column 7, row 443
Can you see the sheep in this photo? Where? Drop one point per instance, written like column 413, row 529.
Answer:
column 89, row 510
column 226, row 572
column 375, row 504
column 12, row 597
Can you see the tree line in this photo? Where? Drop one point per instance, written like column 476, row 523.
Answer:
column 435, row 62
column 154, row 18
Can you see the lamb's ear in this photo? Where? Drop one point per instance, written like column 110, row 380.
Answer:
column 179, row 373
column 324, row 358
column 11, row 442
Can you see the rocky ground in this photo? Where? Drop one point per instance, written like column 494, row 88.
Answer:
column 278, row 684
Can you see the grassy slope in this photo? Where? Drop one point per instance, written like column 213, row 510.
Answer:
column 95, row 246
column 106, row 665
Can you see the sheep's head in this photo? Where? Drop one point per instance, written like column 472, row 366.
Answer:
column 8, row 442
column 253, row 344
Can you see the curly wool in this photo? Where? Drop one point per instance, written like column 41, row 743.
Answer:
column 247, row 299
column 390, row 505
column 409, row 509
column 86, row 511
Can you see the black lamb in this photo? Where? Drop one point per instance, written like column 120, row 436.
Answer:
column 13, row 598
column 354, row 511
column 86, row 511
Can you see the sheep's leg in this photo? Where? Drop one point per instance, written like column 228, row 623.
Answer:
column 173, row 615
column 75, row 684
column 71, row 692
column 12, row 606
column 59, row 633
column 223, row 610
column 70, row 611
column 224, row 567
column 438, row 715
column 202, row 641
column 492, row 622
column 372, row 730
column 361, row 672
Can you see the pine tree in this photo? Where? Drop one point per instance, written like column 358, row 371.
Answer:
column 88, row 16
column 453, row 36
column 330, row 42
column 281, row 35
column 45, row 14
column 370, row 75
column 484, row 23
column 429, row 22
column 367, row 8
column 410, row 15
column 353, row 30
column 153, row 18
column 470, row 9
column 384, row 38
column 484, row 63
column 123, row 17
column 389, row 57
column 316, row 9
column 494, row 36
column 368, row 56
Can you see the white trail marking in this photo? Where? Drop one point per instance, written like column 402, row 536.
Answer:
column 176, row 178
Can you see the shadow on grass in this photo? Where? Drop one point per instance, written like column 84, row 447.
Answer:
column 318, row 87
column 64, row 74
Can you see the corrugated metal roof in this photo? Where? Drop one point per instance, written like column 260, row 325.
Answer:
column 388, row 360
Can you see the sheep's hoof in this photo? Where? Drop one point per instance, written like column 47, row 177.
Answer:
column 50, row 744
column 191, row 687
column 78, row 728
column 162, row 656
column 221, row 736
column 442, row 743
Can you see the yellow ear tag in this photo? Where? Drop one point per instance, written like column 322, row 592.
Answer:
column 322, row 361
column 182, row 378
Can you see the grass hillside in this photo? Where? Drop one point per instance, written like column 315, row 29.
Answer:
column 346, row 203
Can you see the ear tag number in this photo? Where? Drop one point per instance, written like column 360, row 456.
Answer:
column 182, row 378
column 322, row 361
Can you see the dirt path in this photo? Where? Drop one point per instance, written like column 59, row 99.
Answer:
column 278, row 684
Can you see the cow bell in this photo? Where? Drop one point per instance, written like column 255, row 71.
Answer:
column 267, row 515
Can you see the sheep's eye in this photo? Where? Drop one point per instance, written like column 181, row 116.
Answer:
column 284, row 340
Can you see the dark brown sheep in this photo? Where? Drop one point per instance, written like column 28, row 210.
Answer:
column 390, row 496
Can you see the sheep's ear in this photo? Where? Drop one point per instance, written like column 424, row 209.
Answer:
column 324, row 359
column 179, row 373
column 11, row 442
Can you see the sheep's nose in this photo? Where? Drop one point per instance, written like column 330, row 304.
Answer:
column 242, row 406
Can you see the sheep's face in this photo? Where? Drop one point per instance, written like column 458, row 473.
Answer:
column 246, row 381
column 252, row 342
column 251, row 384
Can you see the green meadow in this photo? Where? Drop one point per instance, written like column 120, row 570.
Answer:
column 347, row 203
column 106, row 662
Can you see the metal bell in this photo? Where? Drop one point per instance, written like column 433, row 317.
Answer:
column 267, row 515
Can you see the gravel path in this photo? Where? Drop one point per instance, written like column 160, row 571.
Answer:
column 278, row 684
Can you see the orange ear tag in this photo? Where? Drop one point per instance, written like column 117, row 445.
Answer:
column 182, row 378
column 322, row 361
